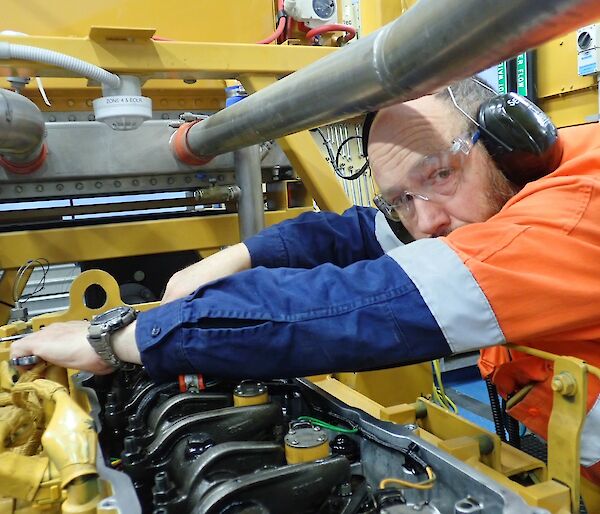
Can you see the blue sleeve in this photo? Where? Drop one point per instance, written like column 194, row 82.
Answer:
column 293, row 322
column 314, row 238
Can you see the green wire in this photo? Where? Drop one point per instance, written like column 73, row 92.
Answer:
column 329, row 426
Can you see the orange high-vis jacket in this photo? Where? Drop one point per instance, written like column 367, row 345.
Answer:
column 545, row 288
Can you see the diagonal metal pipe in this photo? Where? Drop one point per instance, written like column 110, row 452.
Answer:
column 434, row 43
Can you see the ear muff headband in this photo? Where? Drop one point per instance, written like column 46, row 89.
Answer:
column 366, row 129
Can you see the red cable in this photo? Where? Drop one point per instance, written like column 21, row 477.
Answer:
column 332, row 27
column 276, row 34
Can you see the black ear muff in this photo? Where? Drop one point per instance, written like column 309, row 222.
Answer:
column 520, row 138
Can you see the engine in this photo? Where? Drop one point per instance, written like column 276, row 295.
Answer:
column 198, row 445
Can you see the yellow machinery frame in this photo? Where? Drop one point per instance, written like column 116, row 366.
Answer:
column 379, row 393
column 133, row 51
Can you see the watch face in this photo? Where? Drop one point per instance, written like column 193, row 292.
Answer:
column 111, row 314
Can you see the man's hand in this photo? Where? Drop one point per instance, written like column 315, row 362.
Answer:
column 63, row 344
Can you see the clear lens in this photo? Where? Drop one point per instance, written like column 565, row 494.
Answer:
column 436, row 178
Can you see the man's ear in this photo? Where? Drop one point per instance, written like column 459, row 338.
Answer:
column 400, row 231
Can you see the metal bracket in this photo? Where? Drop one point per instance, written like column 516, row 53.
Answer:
column 566, row 422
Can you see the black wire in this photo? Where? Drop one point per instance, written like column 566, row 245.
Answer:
column 44, row 264
column 7, row 304
column 336, row 167
column 334, row 159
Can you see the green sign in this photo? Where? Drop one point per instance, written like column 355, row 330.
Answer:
column 502, row 87
column 522, row 87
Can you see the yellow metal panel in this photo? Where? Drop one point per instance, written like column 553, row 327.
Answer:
column 125, row 239
column 376, row 13
column 570, row 109
column 568, row 98
column 197, row 20
column 67, row 95
column 153, row 59
column 557, row 67
column 391, row 386
column 447, row 425
column 347, row 395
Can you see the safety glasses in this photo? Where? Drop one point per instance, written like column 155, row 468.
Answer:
column 436, row 178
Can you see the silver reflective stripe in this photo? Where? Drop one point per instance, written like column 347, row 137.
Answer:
column 452, row 294
column 384, row 234
column 590, row 437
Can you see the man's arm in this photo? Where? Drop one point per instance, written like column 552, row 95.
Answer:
column 416, row 303
column 222, row 264
column 315, row 238
column 304, row 242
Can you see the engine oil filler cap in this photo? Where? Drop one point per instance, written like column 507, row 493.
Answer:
column 306, row 444
column 250, row 392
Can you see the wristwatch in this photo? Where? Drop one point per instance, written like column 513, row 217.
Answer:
column 101, row 328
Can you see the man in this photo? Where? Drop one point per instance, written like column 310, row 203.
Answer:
column 329, row 293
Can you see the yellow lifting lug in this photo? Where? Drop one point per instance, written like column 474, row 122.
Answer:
column 565, row 384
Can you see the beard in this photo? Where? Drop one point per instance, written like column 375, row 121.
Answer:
column 500, row 190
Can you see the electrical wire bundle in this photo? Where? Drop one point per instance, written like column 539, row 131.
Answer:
column 334, row 157
column 439, row 393
column 21, row 278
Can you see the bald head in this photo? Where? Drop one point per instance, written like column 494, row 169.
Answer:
column 404, row 142
column 407, row 132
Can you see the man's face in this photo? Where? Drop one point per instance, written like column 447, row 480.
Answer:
column 404, row 144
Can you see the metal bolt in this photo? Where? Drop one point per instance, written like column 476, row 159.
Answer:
column 135, row 182
column 317, row 429
column 293, row 442
column 19, row 189
column 321, row 438
column 117, row 183
column 59, row 187
column 52, row 118
column 345, row 489
column 170, row 180
column 71, row 117
column 565, row 384
column 70, row 103
column 91, row 117
column 410, row 426
column 98, row 185
column 79, row 185
column 39, row 188
column 153, row 181
column 291, row 432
